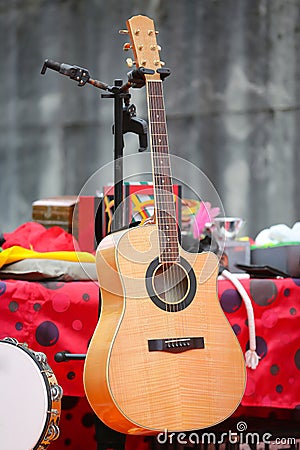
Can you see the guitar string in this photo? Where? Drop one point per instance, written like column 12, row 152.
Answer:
column 172, row 271
column 172, row 268
column 160, row 219
column 154, row 162
column 177, row 275
column 167, row 267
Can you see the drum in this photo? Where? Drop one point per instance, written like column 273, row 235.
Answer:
column 30, row 404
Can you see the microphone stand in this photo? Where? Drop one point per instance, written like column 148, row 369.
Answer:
column 125, row 120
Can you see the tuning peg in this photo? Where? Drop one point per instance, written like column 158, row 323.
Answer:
column 155, row 47
column 129, row 62
column 157, row 62
column 126, row 46
column 123, row 31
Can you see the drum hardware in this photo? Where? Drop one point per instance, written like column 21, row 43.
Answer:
column 56, row 393
column 52, row 433
column 41, row 357
column 12, row 341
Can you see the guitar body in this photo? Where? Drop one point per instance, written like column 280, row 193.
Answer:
column 163, row 355
column 155, row 364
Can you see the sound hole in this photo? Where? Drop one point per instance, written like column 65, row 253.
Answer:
column 170, row 283
column 171, row 286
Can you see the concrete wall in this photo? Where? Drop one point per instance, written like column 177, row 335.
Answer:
column 232, row 100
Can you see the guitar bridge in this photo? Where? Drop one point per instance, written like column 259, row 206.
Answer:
column 175, row 345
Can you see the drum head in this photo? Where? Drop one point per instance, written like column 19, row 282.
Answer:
column 24, row 399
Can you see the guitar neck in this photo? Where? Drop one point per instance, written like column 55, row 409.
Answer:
column 162, row 177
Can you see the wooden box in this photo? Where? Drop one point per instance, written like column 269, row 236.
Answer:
column 55, row 211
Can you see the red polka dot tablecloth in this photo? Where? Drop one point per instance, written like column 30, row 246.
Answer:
column 52, row 317
column 55, row 316
column 276, row 305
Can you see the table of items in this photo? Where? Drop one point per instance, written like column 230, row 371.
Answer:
column 55, row 316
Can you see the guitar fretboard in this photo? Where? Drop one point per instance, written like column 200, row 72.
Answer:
column 162, row 178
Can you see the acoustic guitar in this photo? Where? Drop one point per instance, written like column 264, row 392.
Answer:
column 163, row 355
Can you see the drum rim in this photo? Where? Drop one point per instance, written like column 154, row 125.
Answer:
column 32, row 353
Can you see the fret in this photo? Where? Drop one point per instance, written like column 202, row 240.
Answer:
column 168, row 231
column 160, row 145
column 165, row 191
column 169, row 260
column 156, row 113
column 168, row 202
column 170, row 247
column 167, row 209
column 165, row 186
column 160, row 142
column 169, row 242
column 164, row 181
column 161, row 178
column 168, row 195
column 165, row 206
column 168, row 220
column 172, row 242
column 171, row 224
column 158, row 120
column 162, row 174
column 168, row 255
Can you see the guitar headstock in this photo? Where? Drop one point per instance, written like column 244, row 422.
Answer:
column 145, row 49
